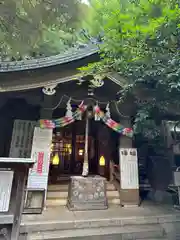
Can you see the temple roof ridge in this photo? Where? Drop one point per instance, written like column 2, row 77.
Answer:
column 70, row 55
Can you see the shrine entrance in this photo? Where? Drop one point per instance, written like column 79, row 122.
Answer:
column 67, row 152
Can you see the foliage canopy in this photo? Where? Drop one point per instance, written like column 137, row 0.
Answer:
column 38, row 27
column 141, row 41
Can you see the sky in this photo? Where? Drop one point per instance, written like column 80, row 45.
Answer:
column 85, row 1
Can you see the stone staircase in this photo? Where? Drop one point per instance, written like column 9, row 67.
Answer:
column 112, row 224
column 57, row 195
column 112, row 233
column 57, row 222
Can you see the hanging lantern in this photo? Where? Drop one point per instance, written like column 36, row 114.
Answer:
column 102, row 161
column 81, row 152
column 55, row 160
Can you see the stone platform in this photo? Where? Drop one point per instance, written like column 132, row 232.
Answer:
column 87, row 193
column 146, row 222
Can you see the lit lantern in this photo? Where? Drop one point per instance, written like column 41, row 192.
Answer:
column 55, row 160
column 68, row 148
column 81, row 151
column 102, row 161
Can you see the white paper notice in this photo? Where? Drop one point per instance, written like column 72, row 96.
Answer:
column 6, row 179
column 129, row 168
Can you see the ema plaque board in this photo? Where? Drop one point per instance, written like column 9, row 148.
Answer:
column 6, row 179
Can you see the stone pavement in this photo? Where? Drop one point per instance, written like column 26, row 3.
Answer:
column 146, row 222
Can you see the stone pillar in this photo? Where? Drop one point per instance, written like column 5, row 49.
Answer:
column 127, row 196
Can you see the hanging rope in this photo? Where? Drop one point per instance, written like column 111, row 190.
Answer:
column 98, row 115
column 80, row 100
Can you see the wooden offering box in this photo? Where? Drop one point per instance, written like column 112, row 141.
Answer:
column 13, row 175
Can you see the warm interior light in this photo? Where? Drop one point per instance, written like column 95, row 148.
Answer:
column 102, row 161
column 81, row 152
column 68, row 148
column 55, row 160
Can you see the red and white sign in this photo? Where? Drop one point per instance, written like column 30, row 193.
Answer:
column 40, row 162
column 41, row 149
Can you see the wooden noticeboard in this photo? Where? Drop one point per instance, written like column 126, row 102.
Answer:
column 22, row 136
column 129, row 177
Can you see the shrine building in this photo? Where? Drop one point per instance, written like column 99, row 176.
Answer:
column 50, row 89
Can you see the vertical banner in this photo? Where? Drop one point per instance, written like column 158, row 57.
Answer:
column 129, row 168
column 129, row 177
column 21, row 142
column 41, row 149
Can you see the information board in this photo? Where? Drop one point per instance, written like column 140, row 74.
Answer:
column 41, row 147
column 21, row 142
column 129, row 168
column 6, row 179
column 177, row 179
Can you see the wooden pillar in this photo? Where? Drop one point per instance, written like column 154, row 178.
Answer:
column 19, row 200
column 46, row 108
column 126, row 142
column 46, row 112
column 127, row 196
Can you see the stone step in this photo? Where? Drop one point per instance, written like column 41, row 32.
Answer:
column 114, row 201
column 60, row 195
column 56, row 202
column 112, row 194
column 125, row 233
column 159, row 238
column 64, row 187
column 57, row 195
column 59, row 187
column 62, row 202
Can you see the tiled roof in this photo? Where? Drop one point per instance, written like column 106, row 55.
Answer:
column 71, row 55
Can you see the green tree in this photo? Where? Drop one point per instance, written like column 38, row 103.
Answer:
column 37, row 27
column 141, row 43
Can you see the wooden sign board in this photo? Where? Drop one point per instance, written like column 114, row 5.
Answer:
column 129, row 177
column 21, row 142
column 6, row 179
column 177, row 179
column 34, row 201
column 129, row 168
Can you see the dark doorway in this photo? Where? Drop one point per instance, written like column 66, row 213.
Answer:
column 68, row 146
